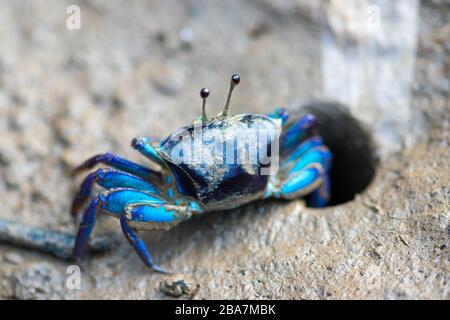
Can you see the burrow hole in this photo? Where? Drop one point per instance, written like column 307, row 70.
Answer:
column 354, row 154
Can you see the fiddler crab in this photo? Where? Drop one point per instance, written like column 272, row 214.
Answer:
column 214, row 164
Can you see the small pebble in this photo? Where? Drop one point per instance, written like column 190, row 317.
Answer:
column 177, row 287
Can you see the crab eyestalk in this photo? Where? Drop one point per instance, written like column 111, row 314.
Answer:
column 204, row 93
column 235, row 79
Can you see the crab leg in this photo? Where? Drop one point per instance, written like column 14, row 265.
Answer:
column 161, row 212
column 306, row 172
column 306, row 181
column 161, row 215
column 112, row 201
column 138, row 245
column 320, row 197
column 318, row 154
column 300, row 184
column 304, row 147
column 120, row 164
column 108, row 178
column 312, row 152
column 134, row 207
column 297, row 132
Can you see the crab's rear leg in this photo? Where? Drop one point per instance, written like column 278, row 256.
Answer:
column 153, row 216
column 109, row 178
column 305, row 173
column 296, row 132
column 311, row 151
column 316, row 154
column 310, row 143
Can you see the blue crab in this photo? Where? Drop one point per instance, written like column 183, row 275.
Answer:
column 214, row 164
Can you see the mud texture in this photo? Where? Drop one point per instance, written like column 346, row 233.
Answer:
column 135, row 68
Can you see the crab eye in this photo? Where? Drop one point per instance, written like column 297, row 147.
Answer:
column 235, row 79
column 204, row 93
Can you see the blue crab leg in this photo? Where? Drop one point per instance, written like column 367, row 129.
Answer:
column 120, row 164
column 302, row 183
column 143, row 145
column 319, row 198
column 139, row 245
column 304, row 147
column 161, row 212
column 56, row 243
column 310, row 153
column 159, row 216
column 305, row 172
column 108, row 178
column 310, row 180
column 317, row 154
column 297, row 132
column 112, row 201
column 312, row 150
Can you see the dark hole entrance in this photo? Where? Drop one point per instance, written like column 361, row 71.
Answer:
column 354, row 157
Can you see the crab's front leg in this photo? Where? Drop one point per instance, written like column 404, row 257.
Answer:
column 136, row 209
column 154, row 216
column 109, row 178
column 112, row 201
column 119, row 163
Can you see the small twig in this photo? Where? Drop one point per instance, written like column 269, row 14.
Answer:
column 56, row 243
column 403, row 241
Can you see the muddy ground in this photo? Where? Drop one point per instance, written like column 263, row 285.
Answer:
column 135, row 69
